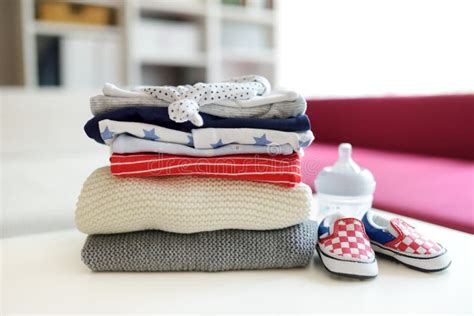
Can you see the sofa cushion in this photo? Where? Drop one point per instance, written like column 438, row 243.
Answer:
column 433, row 189
column 430, row 125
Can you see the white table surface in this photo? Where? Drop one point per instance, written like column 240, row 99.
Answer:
column 43, row 273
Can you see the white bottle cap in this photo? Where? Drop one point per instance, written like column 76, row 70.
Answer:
column 345, row 177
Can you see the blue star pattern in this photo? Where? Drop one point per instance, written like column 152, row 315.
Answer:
column 262, row 141
column 191, row 141
column 107, row 134
column 150, row 134
column 218, row 144
column 305, row 143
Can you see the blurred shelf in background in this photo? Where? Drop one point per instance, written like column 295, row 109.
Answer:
column 66, row 29
column 83, row 43
column 248, row 14
column 179, row 7
column 196, row 60
column 249, row 56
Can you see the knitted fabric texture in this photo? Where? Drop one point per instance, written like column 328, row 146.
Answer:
column 221, row 250
column 183, row 204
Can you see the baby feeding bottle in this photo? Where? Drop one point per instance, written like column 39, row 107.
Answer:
column 345, row 187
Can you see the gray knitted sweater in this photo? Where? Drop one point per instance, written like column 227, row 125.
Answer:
column 220, row 250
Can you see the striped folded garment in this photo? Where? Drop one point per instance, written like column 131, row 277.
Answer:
column 109, row 205
column 281, row 170
column 221, row 250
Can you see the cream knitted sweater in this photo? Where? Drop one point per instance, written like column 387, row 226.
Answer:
column 186, row 204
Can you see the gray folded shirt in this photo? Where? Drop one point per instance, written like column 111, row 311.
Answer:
column 220, row 250
column 285, row 109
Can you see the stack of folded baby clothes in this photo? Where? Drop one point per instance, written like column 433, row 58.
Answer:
column 202, row 178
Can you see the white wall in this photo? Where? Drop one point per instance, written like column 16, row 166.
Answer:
column 374, row 47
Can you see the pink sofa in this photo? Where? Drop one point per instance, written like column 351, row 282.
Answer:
column 420, row 150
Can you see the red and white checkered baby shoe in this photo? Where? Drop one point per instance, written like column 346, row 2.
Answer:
column 344, row 247
column 399, row 240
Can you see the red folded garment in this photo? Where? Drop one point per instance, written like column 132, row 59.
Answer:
column 280, row 169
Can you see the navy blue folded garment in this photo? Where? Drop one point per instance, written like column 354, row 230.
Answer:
column 159, row 116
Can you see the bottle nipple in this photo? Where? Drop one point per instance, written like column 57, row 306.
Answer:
column 345, row 151
column 345, row 164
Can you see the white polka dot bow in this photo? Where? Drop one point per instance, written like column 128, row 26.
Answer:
column 186, row 100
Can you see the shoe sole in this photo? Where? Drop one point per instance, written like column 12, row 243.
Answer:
column 346, row 268
column 432, row 264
